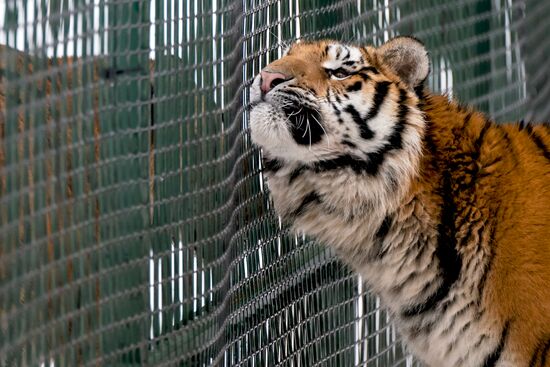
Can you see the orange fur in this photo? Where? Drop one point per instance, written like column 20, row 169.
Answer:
column 513, row 188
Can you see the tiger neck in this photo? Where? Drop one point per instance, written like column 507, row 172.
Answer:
column 391, row 242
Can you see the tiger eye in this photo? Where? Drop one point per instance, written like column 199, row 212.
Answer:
column 340, row 73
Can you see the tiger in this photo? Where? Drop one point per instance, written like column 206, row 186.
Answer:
column 443, row 212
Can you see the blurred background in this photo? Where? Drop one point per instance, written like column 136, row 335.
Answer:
column 135, row 227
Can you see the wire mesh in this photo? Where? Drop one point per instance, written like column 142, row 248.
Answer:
column 135, row 226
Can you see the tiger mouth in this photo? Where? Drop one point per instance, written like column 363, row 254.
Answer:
column 304, row 119
column 305, row 123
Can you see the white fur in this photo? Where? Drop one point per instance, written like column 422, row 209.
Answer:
column 354, row 54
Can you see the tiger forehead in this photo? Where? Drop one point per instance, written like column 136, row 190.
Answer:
column 339, row 53
column 330, row 53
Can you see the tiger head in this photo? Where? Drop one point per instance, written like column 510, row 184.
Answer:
column 325, row 98
column 327, row 106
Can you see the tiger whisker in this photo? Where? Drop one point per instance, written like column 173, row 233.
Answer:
column 279, row 42
column 308, row 128
column 295, row 114
column 301, row 122
column 322, row 128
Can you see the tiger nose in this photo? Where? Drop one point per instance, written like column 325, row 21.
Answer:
column 271, row 79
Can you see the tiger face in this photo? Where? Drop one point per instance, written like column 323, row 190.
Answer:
column 326, row 107
column 324, row 99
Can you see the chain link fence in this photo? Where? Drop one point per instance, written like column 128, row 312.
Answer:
column 135, row 227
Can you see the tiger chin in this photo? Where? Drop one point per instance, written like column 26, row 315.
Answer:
column 444, row 213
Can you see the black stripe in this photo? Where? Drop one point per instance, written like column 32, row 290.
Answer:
column 296, row 173
column 377, row 251
column 538, row 141
column 488, row 264
column 535, row 356
column 349, row 144
column 479, row 141
column 355, row 86
column 544, row 354
column 448, row 258
column 305, row 124
column 455, row 317
column 395, row 141
column 380, row 92
column 359, row 166
column 309, row 199
column 521, row 125
column 371, row 69
column 364, row 130
column 462, row 330
column 494, row 356
column 541, row 350
column 419, row 91
column 347, row 56
column 344, row 161
column 375, row 159
column 364, row 76
column 272, row 165
column 398, row 288
column 468, row 119
column 363, row 72
column 480, row 340
column 417, row 251
column 385, row 226
column 348, row 63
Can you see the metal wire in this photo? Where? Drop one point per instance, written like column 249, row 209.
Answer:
column 135, row 227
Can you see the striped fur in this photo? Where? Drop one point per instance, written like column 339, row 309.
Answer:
column 443, row 212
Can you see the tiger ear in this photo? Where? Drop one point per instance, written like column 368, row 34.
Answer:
column 407, row 58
